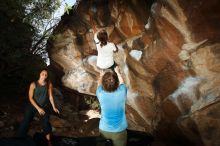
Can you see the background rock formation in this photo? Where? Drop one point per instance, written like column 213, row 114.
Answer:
column 169, row 55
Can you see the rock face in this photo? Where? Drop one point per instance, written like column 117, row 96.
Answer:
column 169, row 53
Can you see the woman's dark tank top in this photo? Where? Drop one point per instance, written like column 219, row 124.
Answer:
column 41, row 94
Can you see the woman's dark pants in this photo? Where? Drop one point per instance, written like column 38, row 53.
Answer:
column 28, row 117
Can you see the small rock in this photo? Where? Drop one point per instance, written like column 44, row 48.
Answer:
column 80, row 130
column 11, row 127
column 58, row 122
column 2, row 124
column 3, row 114
column 53, row 129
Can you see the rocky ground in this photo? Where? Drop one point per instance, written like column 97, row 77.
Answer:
column 70, row 127
column 69, row 123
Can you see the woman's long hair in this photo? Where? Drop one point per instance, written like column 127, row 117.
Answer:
column 102, row 37
column 110, row 81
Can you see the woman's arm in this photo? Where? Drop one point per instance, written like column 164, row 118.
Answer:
column 94, row 28
column 100, row 78
column 95, row 32
column 52, row 99
column 30, row 95
column 121, row 80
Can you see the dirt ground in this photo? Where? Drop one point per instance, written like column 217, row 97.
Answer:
column 70, row 122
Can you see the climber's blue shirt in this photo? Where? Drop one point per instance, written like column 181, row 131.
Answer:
column 113, row 117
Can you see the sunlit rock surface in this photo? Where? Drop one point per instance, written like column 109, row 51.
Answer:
column 169, row 54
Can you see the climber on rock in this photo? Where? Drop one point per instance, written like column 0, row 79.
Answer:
column 105, row 49
column 112, row 93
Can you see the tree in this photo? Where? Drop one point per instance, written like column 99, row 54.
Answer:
column 40, row 16
column 21, row 30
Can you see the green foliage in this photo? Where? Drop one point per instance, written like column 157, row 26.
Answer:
column 55, row 36
column 92, row 102
column 20, row 24
column 37, row 11
column 67, row 8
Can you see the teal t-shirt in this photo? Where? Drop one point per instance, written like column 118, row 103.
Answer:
column 113, row 118
column 41, row 94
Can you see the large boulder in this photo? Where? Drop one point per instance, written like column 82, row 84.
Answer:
column 169, row 56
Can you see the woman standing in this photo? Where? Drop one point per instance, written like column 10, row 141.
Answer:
column 112, row 93
column 40, row 93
